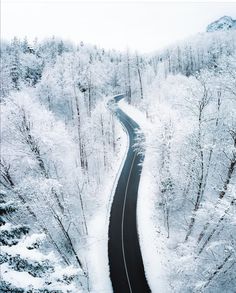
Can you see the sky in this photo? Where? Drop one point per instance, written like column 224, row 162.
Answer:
column 144, row 26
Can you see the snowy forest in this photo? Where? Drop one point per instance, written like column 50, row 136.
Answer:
column 62, row 147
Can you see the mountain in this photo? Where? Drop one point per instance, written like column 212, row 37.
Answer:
column 224, row 23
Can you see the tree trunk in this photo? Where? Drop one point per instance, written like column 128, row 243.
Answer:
column 200, row 182
column 218, row 269
column 217, row 226
column 221, row 195
column 139, row 77
column 128, row 79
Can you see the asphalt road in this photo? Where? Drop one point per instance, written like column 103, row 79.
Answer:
column 125, row 259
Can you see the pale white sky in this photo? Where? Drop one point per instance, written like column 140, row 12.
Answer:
column 140, row 25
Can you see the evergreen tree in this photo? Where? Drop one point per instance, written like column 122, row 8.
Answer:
column 24, row 268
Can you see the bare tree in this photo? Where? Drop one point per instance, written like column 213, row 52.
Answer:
column 128, row 81
column 218, row 269
column 139, row 76
column 202, row 103
column 25, row 129
column 231, row 168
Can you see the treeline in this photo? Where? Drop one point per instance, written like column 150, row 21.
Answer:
column 190, row 56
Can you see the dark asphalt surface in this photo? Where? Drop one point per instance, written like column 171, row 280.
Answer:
column 125, row 259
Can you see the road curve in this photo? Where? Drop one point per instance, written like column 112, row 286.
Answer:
column 125, row 259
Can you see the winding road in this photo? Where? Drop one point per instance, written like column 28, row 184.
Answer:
column 125, row 259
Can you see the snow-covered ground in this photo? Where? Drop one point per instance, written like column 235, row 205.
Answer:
column 152, row 241
column 97, row 252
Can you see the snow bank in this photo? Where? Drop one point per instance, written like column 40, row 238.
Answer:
column 152, row 242
column 98, row 225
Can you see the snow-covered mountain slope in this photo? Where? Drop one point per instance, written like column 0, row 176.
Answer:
column 224, row 23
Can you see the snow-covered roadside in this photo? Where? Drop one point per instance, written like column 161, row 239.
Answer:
column 152, row 241
column 97, row 250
